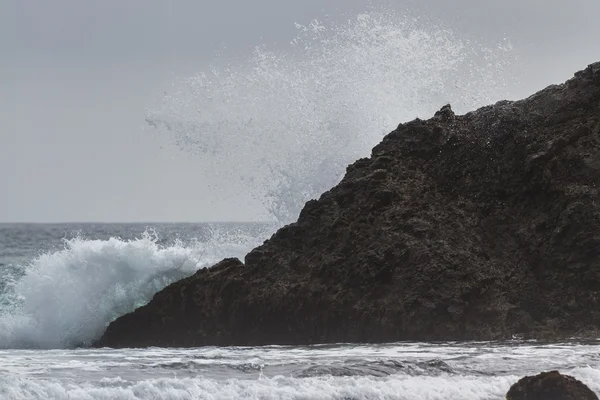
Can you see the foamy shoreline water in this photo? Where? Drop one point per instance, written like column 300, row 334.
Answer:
column 476, row 370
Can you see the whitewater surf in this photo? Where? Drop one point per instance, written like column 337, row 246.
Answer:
column 65, row 297
column 404, row 371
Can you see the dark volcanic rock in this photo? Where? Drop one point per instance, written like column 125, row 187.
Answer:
column 550, row 386
column 479, row 226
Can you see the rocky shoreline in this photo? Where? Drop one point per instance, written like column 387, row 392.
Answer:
column 475, row 227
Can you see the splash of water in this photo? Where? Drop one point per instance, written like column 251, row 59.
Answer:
column 67, row 298
column 285, row 123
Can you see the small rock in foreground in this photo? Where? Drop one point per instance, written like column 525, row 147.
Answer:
column 550, row 386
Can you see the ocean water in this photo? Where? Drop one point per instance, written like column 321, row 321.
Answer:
column 62, row 284
column 397, row 371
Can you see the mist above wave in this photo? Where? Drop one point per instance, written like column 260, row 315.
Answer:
column 284, row 123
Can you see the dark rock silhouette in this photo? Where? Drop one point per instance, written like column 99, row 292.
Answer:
column 550, row 386
column 479, row 226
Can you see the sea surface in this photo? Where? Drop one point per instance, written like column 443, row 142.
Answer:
column 62, row 284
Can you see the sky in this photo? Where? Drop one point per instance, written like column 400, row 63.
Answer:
column 78, row 76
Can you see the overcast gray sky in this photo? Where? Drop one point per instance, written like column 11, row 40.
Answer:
column 77, row 76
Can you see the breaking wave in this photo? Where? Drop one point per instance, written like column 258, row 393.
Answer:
column 67, row 298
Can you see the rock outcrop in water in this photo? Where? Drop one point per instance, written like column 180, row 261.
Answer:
column 550, row 386
column 480, row 226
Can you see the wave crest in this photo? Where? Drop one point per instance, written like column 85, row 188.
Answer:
column 67, row 298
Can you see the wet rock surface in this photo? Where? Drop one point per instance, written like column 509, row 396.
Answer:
column 481, row 226
column 550, row 386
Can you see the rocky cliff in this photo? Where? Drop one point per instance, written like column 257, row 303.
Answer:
column 481, row 226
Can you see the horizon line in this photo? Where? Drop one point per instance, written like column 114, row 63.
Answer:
column 128, row 222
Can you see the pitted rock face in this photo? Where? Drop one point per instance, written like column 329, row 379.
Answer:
column 445, row 113
column 550, row 386
column 481, row 226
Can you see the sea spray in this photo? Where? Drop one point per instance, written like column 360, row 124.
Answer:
column 285, row 123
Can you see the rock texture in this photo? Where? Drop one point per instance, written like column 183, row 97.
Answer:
column 480, row 226
column 550, row 386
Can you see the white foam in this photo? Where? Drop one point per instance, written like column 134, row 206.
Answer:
column 326, row 388
column 167, row 373
column 67, row 298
